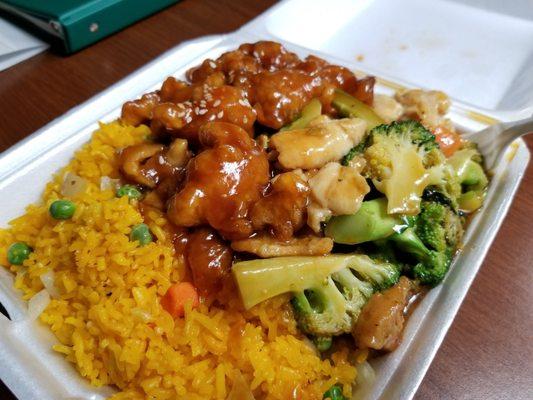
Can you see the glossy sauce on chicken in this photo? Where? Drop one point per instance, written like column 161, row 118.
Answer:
column 261, row 80
column 215, row 181
column 223, row 182
column 209, row 259
column 278, row 84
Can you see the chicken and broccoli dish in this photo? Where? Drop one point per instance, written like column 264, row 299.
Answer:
column 258, row 230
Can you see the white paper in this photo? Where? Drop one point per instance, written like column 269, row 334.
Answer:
column 17, row 45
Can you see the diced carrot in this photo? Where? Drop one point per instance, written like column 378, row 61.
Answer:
column 177, row 296
column 449, row 141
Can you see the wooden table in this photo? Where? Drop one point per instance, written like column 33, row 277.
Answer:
column 488, row 352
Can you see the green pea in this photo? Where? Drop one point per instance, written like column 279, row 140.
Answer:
column 62, row 209
column 141, row 233
column 334, row 393
column 322, row 343
column 129, row 190
column 18, row 252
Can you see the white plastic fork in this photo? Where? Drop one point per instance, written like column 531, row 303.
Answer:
column 494, row 140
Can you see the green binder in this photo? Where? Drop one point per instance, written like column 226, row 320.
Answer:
column 76, row 24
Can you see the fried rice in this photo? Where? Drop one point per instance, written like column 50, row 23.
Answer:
column 105, row 310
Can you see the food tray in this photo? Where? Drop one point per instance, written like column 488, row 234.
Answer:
column 25, row 345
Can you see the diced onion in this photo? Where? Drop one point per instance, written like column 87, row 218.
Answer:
column 37, row 304
column 309, row 343
column 365, row 380
column 240, row 390
column 107, row 183
column 21, row 271
column 48, row 281
column 73, row 185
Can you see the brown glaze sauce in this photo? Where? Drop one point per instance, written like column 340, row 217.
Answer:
column 222, row 183
column 221, row 189
column 261, row 80
column 209, row 259
column 282, row 210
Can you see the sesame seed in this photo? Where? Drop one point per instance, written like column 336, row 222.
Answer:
column 196, row 110
column 216, row 103
column 245, row 120
column 220, row 114
column 212, row 64
column 202, row 111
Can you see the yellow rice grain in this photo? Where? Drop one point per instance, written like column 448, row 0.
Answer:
column 108, row 320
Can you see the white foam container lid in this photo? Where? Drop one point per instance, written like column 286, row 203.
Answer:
column 478, row 51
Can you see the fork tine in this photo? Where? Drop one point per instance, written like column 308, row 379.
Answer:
column 493, row 140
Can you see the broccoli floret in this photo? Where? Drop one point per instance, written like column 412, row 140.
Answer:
column 431, row 266
column 382, row 250
column 380, row 274
column 460, row 182
column 443, row 186
column 472, row 180
column 355, row 151
column 429, row 238
column 430, row 228
column 471, row 201
column 329, row 291
column 403, row 158
column 439, row 195
column 438, row 226
column 332, row 307
column 323, row 310
column 413, row 131
column 371, row 222
column 323, row 343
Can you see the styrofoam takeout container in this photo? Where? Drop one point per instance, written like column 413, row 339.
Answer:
column 478, row 51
